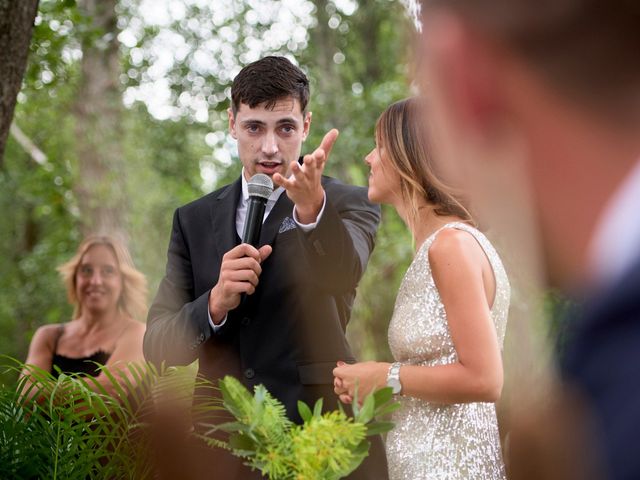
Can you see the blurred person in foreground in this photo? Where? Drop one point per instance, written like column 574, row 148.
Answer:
column 299, row 285
column 552, row 90
column 108, row 295
column 449, row 320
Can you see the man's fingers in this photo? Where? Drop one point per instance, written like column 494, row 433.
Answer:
column 237, row 287
column 280, row 181
column 297, row 168
column 242, row 263
column 264, row 252
column 244, row 276
column 319, row 156
column 242, row 250
column 327, row 142
column 237, row 256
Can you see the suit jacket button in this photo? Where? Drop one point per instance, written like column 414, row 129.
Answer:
column 249, row 373
column 246, row 321
column 201, row 337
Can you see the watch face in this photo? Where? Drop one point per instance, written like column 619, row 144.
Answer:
column 395, row 385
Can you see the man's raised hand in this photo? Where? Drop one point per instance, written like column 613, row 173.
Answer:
column 304, row 186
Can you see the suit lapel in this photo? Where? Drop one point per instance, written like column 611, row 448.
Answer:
column 271, row 226
column 223, row 217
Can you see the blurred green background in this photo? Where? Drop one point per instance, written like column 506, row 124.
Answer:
column 121, row 119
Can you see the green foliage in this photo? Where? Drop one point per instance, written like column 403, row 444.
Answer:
column 39, row 229
column 166, row 160
column 58, row 32
column 163, row 172
column 559, row 309
column 326, row 446
column 69, row 431
column 78, row 427
column 75, row 427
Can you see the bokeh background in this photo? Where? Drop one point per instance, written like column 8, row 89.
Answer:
column 122, row 118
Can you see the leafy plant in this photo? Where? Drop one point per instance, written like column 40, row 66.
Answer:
column 325, row 447
column 73, row 427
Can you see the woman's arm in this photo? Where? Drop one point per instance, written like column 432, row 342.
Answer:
column 460, row 270
column 41, row 348
column 128, row 348
column 40, row 355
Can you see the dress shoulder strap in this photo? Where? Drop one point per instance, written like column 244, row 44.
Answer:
column 426, row 245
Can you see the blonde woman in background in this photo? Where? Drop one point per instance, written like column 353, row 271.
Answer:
column 108, row 295
column 449, row 319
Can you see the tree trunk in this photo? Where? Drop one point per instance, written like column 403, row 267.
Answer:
column 324, row 43
column 16, row 27
column 324, row 40
column 100, row 187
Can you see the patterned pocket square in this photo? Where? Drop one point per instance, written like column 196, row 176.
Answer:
column 286, row 225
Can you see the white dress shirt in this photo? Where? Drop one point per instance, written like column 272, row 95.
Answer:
column 615, row 245
column 241, row 214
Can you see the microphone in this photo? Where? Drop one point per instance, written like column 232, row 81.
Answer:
column 260, row 188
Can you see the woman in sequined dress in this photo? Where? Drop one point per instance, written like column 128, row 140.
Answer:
column 448, row 325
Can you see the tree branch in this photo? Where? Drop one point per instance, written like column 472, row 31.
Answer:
column 25, row 142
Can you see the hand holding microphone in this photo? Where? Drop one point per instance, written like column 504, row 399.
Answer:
column 240, row 269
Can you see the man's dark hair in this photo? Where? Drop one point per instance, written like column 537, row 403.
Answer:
column 268, row 80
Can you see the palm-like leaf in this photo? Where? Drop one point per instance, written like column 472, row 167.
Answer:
column 75, row 427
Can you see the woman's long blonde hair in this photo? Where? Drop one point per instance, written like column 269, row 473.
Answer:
column 401, row 131
column 133, row 299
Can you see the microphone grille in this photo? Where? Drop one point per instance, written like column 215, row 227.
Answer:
column 260, row 185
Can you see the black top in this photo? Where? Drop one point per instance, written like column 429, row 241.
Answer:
column 83, row 365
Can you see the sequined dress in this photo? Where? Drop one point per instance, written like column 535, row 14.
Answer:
column 436, row 441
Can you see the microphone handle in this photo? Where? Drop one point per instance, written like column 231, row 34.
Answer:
column 253, row 226
column 253, row 221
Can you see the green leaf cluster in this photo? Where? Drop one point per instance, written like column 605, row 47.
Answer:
column 73, row 427
column 76, row 427
column 326, row 446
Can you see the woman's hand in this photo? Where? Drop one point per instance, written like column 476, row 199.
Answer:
column 366, row 377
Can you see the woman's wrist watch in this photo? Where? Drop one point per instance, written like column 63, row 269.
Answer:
column 393, row 378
